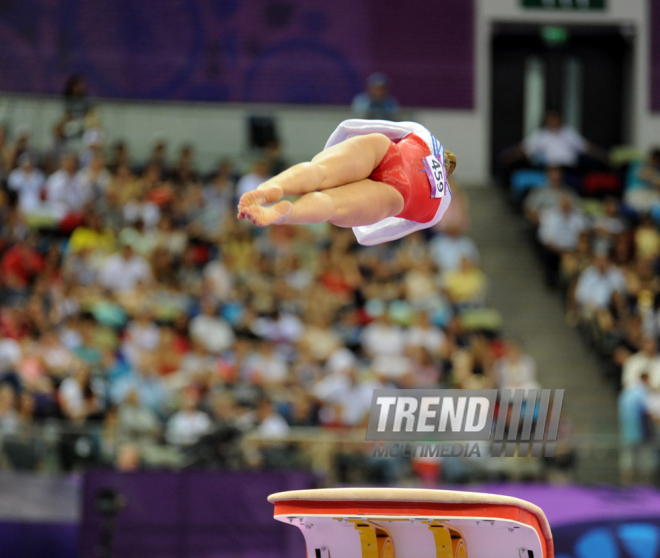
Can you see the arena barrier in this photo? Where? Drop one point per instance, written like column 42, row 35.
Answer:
column 224, row 514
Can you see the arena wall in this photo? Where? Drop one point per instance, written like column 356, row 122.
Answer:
column 220, row 130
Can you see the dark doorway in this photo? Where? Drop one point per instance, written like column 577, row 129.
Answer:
column 584, row 72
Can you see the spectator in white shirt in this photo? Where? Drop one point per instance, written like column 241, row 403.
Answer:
column 385, row 343
column 425, row 334
column 356, row 402
column 140, row 209
column 65, row 193
column 516, row 370
column 597, row 289
column 218, row 279
column 95, row 178
column 210, row 330
column 448, row 250
column 559, row 231
column 11, row 355
column 142, row 335
column 124, row 271
column 607, row 226
column 280, row 327
column 381, row 337
column 9, row 422
column 144, row 378
column 270, row 423
column 81, row 395
column 646, row 361
column 346, row 400
column 137, row 422
column 555, row 144
column 28, row 182
column 266, row 366
column 560, row 227
column 259, row 174
column 187, row 426
column 549, row 196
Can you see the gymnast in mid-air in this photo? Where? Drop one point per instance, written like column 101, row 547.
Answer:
column 384, row 179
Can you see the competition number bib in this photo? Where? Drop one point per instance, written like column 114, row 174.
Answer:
column 436, row 174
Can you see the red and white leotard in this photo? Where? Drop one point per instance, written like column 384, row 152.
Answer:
column 405, row 167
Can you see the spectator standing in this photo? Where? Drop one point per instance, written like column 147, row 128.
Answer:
column 637, row 457
column 645, row 362
column 376, row 102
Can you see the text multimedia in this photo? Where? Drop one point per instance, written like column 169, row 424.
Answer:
column 466, row 449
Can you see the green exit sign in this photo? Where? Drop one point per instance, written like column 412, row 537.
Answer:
column 565, row 4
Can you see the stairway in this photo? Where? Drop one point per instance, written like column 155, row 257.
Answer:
column 535, row 315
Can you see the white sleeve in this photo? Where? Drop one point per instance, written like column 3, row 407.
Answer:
column 531, row 143
column 473, row 251
column 630, row 372
column 106, row 273
column 576, row 140
column 54, row 189
column 583, row 287
column 13, row 181
column 619, row 281
column 546, row 227
column 172, row 434
column 145, row 271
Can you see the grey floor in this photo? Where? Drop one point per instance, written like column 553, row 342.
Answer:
column 535, row 315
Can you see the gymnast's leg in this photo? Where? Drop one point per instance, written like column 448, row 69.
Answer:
column 350, row 161
column 351, row 205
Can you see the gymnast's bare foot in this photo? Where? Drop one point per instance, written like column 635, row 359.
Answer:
column 271, row 215
column 260, row 196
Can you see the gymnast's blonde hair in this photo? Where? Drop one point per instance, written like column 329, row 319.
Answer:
column 450, row 162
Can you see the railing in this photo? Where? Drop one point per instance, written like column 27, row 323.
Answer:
column 61, row 445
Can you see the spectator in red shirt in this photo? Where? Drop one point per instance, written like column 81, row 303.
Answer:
column 20, row 264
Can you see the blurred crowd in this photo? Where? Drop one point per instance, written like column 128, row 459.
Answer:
column 155, row 329
column 595, row 222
